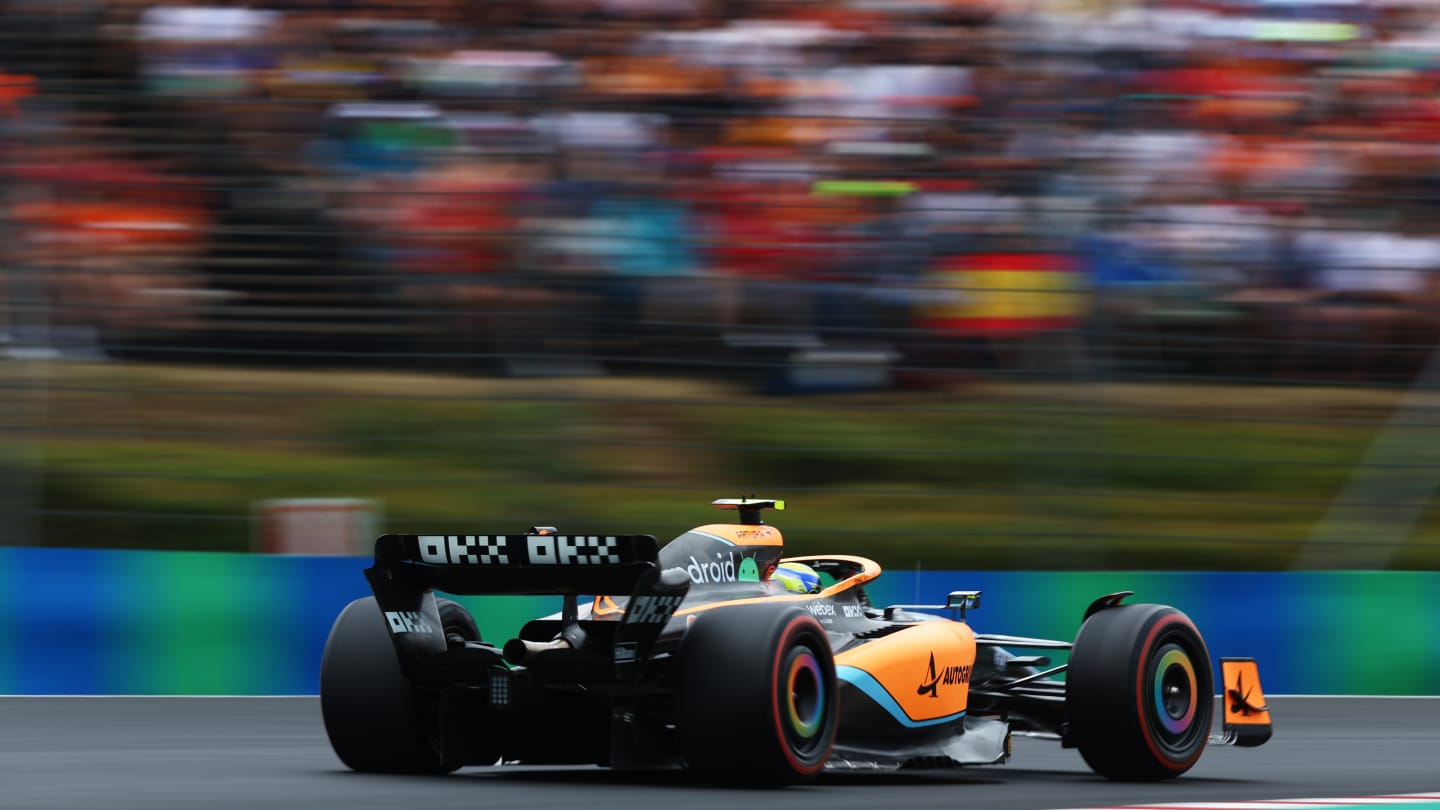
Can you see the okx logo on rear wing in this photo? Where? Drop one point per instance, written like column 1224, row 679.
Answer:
column 540, row 562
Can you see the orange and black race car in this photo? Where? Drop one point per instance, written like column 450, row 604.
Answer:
column 718, row 654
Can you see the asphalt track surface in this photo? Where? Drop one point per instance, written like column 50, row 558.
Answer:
column 271, row 753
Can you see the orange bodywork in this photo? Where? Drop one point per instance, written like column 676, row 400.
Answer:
column 605, row 606
column 925, row 668
column 744, row 535
column 1244, row 700
column 1247, row 717
column 869, row 569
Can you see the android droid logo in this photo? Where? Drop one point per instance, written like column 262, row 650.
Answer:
column 749, row 571
column 703, row 572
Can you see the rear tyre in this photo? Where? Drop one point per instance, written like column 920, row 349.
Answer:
column 1139, row 693
column 755, row 696
column 456, row 622
column 368, row 705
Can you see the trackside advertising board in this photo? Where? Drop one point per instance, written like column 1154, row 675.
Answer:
column 127, row 622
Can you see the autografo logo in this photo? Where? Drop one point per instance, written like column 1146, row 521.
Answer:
column 930, row 685
column 721, row 569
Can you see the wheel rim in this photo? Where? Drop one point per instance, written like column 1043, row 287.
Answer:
column 1175, row 695
column 805, row 699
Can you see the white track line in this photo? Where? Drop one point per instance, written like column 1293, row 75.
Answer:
column 1284, row 804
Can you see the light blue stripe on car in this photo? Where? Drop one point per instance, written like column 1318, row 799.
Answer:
column 865, row 682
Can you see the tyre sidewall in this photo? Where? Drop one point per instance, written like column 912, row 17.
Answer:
column 733, row 695
column 1114, row 699
column 455, row 619
column 802, row 641
column 367, row 703
column 1177, row 751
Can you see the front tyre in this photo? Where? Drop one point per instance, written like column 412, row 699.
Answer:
column 368, row 704
column 756, row 697
column 1139, row 693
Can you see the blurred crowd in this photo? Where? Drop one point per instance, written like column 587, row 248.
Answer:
column 1234, row 187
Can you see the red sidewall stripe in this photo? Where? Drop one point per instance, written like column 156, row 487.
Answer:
column 1141, row 694
column 780, row 736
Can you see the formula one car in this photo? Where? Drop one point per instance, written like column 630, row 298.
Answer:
column 716, row 654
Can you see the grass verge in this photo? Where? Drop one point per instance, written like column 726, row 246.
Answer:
column 984, row 476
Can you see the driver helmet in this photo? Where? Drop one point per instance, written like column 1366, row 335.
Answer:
column 796, row 577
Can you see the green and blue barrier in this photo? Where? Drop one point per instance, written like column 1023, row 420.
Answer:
column 126, row 622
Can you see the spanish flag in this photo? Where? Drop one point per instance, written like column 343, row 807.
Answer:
column 14, row 88
column 988, row 293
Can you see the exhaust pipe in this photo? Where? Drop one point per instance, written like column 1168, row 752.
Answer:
column 518, row 650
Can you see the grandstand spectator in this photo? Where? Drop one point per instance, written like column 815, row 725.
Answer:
column 787, row 162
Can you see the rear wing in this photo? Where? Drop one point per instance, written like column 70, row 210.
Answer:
column 536, row 563
column 408, row 567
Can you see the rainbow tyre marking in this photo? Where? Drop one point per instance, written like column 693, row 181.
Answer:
column 1175, row 690
column 805, row 691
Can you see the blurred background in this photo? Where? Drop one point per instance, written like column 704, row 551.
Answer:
column 1030, row 284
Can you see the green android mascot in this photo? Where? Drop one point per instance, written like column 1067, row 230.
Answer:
column 749, row 571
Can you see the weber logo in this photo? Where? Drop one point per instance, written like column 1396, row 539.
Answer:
column 535, row 549
column 408, row 621
column 649, row 609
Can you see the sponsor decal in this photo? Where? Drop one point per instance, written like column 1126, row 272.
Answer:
column 651, row 609
column 1239, row 698
column 826, row 612
column 408, row 621
column 749, row 571
column 538, row 549
column 577, row 550
column 624, row 651
column 721, row 569
column 463, row 549
column 764, row 533
column 946, row 675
